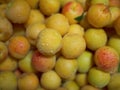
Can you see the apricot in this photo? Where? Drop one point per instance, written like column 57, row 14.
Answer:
column 98, row 78
column 50, row 80
column 28, row 81
column 8, row 80
column 66, row 68
column 76, row 29
column 107, row 59
column 81, row 79
column 72, row 45
column 32, row 31
column 71, row 85
column 95, row 38
column 115, row 13
column 18, row 46
column 34, row 17
column 72, row 10
column 18, row 11
column 9, row 64
column 85, row 61
column 25, row 64
column 58, row 22
column 42, row 63
column 114, row 42
column 49, row 42
column 49, row 7
column 98, row 15
column 114, row 83
column 6, row 29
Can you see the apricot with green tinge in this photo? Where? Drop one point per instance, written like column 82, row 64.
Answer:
column 50, row 80
column 98, row 78
column 95, row 38
column 8, row 80
column 85, row 62
column 66, row 68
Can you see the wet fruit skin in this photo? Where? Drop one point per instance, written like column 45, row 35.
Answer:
column 49, row 42
column 58, row 65
column 107, row 59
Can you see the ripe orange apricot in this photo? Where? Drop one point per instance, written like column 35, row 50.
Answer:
column 28, row 81
column 107, row 59
column 18, row 46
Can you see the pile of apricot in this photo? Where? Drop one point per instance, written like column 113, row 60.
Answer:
column 59, row 44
